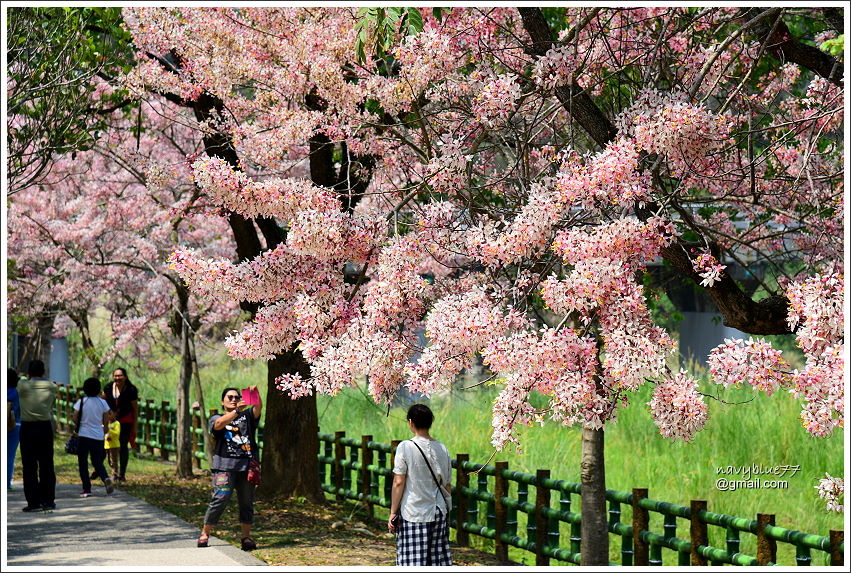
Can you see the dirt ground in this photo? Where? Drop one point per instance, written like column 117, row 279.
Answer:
column 307, row 535
column 292, row 532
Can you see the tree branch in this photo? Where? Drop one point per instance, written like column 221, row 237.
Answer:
column 787, row 49
column 768, row 316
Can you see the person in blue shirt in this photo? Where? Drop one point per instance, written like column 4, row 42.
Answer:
column 14, row 434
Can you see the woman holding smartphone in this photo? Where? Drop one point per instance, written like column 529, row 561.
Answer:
column 235, row 447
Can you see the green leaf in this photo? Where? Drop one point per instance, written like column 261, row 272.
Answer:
column 834, row 46
column 415, row 21
column 394, row 14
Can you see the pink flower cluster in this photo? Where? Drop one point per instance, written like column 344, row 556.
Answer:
column 671, row 126
column 528, row 232
column 604, row 262
column 677, row 407
column 556, row 363
column 610, row 177
column 274, row 275
column 556, row 68
column 457, row 327
column 336, row 235
column 818, row 300
column 496, row 101
column 753, row 361
column 708, row 268
column 815, row 311
column 832, row 490
column 281, row 198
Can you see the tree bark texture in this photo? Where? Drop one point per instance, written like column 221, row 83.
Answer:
column 291, row 437
column 209, row 442
column 37, row 344
column 595, row 531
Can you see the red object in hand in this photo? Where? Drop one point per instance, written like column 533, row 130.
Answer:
column 251, row 397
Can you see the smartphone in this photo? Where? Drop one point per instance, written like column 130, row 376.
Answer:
column 251, row 397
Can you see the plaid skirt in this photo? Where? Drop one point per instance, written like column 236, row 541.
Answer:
column 423, row 543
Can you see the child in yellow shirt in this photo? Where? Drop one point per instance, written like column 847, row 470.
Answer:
column 111, row 443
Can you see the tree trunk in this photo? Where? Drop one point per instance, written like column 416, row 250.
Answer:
column 81, row 319
column 184, row 417
column 595, row 532
column 291, row 437
column 209, row 442
column 37, row 345
column 291, row 426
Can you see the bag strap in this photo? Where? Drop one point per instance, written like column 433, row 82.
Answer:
column 431, row 471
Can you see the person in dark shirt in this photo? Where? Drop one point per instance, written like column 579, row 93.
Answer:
column 123, row 398
column 235, row 447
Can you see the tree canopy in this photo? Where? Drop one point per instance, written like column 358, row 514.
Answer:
column 503, row 179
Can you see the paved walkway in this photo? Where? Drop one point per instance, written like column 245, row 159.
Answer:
column 116, row 531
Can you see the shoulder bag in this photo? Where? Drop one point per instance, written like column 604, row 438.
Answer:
column 73, row 442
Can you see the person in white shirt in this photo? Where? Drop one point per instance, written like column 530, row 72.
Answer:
column 420, row 495
column 92, row 413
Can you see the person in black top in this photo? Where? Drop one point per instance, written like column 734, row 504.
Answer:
column 235, row 446
column 123, row 398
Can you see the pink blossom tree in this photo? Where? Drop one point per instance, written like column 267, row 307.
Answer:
column 96, row 234
column 534, row 175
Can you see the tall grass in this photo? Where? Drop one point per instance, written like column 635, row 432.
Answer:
column 747, row 430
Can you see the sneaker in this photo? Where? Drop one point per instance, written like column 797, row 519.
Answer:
column 32, row 508
column 109, row 487
column 48, row 507
column 85, row 494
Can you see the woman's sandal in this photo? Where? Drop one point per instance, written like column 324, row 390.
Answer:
column 248, row 544
column 204, row 540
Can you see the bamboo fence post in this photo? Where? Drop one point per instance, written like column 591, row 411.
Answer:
column 500, row 511
column 68, row 414
column 836, row 539
column 164, row 433
column 542, row 500
column 462, row 480
column 766, row 547
column 149, row 415
column 366, row 475
column 339, row 456
column 640, row 522
column 698, row 532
